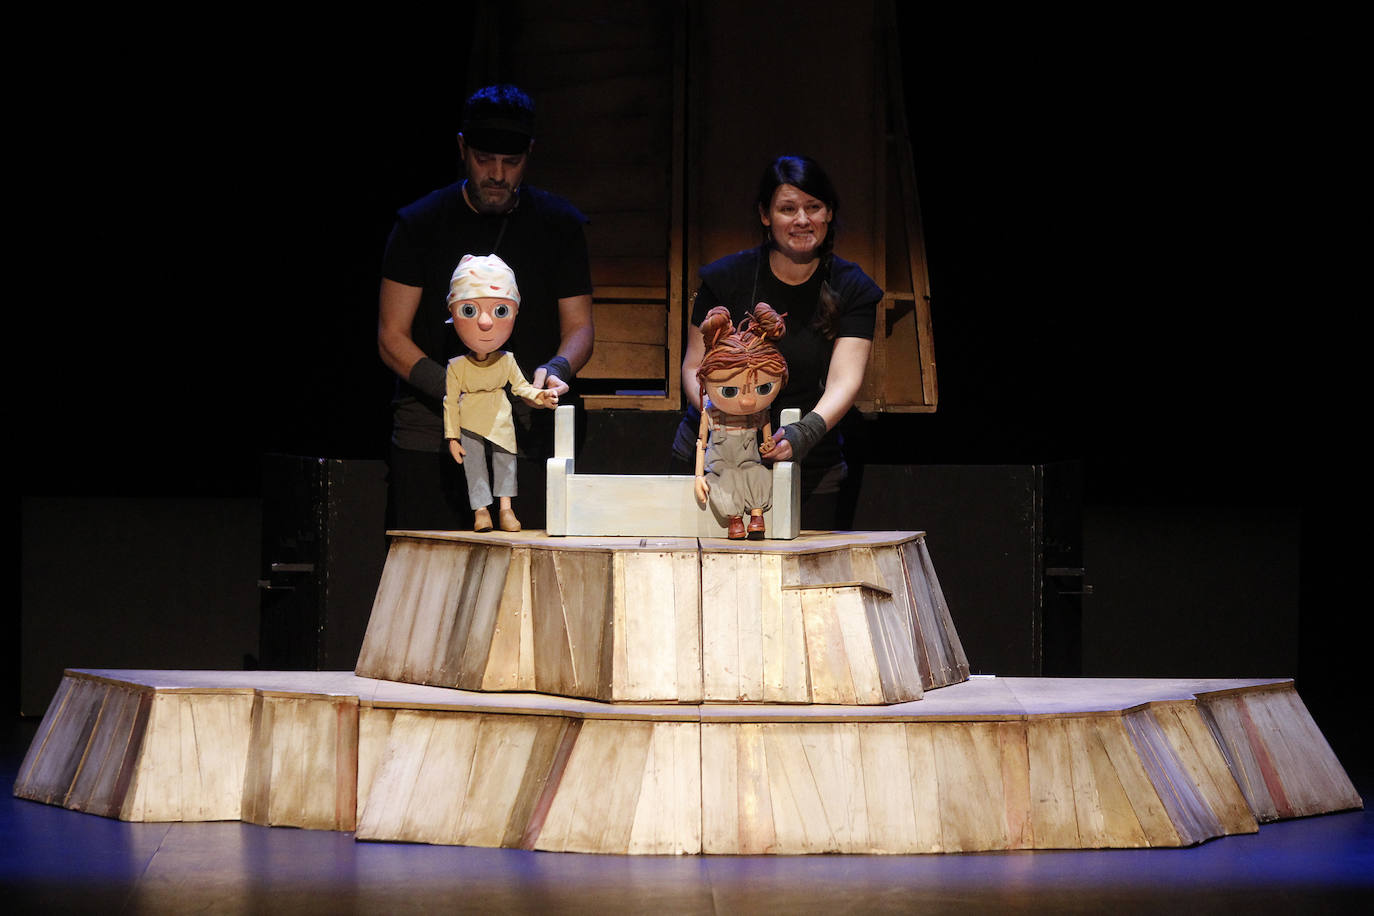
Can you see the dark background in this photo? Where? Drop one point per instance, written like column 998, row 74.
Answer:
column 1125, row 226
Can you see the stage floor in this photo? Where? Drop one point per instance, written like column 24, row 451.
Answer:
column 55, row 860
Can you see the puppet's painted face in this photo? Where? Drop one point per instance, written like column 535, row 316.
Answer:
column 742, row 392
column 483, row 325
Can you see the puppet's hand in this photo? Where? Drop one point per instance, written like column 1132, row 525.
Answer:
column 546, row 398
column 766, row 447
column 780, row 450
column 455, row 448
column 702, row 488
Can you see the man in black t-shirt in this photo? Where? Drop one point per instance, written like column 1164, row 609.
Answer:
column 540, row 236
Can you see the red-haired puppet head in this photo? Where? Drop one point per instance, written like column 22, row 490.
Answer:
column 742, row 370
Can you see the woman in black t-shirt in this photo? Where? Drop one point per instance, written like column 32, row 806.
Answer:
column 830, row 306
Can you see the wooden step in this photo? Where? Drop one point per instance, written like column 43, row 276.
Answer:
column 848, row 617
column 988, row 764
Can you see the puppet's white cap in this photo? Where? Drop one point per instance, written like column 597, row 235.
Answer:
column 483, row 277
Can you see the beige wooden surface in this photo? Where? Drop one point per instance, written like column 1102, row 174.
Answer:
column 986, row 764
column 830, row 618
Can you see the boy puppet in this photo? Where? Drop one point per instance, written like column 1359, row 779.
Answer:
column 483, row 300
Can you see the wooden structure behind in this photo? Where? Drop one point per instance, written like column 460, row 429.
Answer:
column 840, row 100
column 656, row 119
column 854, row 618
column 989, row 764
column 608, row 79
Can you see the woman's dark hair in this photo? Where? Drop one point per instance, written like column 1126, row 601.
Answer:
column 806, row 174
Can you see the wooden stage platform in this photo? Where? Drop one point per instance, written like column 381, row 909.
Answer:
column 990, row 763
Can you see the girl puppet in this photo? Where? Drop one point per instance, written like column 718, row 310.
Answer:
column 741, row 372
column 483, row 300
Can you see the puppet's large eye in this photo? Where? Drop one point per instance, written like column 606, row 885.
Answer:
column 764, row 389
column 467, row 310
column 729, row 391
column 501, row 311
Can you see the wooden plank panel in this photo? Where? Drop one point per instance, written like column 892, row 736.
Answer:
column 1193, row 819
column 925, row 788
column 547, row 757
column 374, row 728
column 851, row 611
column 1054, row 822
column 625, row 674
column 1092, row 832
column 502, row 758
column 952, row 648
column 758, row 827
column 1105, row 816
column 968, row 760
column 96, row 752
column 798, row 814
column 594, row 808
column 585, row 579
column 52, row 771
column 1147, row 812
column 646, row 581
column 383, row 622
column 439, row 780
column 122, row 727
column 825, row 568
column 720, row 790
column 285, row 746
column 626, row 361
column 33, row 781
column 438, row 612
column 553, row 664
column 831, row 680
column 503, row 668
column 719, row 644
column 1016, row 795
column 1204, row 763
column 686, row 572
column 1249, row 762
column 930, row 657
column 749, row 633
column 157, row 791
column 667, row 817
column 257, row 773
column 485, row 609
column 889, row 790
column 892, row 567
column 633, row 323
column 383, row 807
column 217, row 743
column 835, row 760
column 1311, row 777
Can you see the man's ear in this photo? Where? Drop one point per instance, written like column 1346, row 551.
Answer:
column 462, row 147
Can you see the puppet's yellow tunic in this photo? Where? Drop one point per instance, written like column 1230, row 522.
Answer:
column 476, row 397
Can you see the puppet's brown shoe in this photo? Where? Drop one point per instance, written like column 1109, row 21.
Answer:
column 481, row 519
column 508, row 521
column 736, row 532
column 756, row 527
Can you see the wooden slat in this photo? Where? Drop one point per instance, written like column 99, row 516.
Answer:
column 617, row 360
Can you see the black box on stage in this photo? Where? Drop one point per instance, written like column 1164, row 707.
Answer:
column 1007, row 543
column 323, row 549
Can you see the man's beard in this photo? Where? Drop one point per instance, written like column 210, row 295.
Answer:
column 491, row 199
